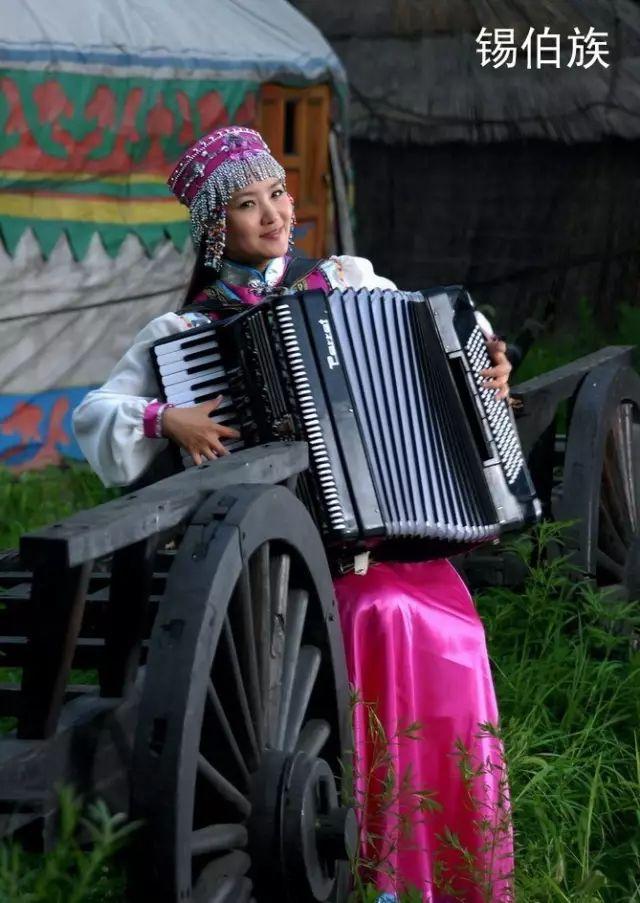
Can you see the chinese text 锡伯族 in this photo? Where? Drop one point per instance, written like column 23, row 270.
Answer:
column 499, row 48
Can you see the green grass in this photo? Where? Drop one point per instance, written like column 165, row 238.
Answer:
column 561, row 347
column 568, row 683
column 80, row 868
column 567, row 677
column 36, row 498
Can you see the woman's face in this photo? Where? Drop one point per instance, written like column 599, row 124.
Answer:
column 258, row 223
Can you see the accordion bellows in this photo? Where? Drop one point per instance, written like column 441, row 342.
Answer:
column 385, row 386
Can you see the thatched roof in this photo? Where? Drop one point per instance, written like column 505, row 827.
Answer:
column 415, row 73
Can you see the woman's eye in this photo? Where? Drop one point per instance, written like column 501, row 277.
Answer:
column 277, row 193
column 246, row 204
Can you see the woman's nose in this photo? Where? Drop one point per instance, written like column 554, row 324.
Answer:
column 268, row 213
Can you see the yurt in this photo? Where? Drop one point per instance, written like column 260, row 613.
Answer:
column 518, row 175
column 97, row 100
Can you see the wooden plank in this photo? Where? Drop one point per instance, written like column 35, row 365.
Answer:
column 563, row 380
column 15, row 615
column 88, row 653
column 30, row 770
column 102, row 530
column 56, row 609
column 11, row 700
column 127, row 615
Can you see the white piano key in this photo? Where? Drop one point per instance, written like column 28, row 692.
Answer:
column 197, row 395
column 181, row 347
column 217, row 375
column 180, row 366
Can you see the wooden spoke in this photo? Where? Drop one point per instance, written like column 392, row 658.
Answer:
column 626, row 433
column 612, row 567
column 240, row 693
column 609, row 539
column 227, row 731
column 260, row 581
column 612, row 492
column 217, row 839
column 244, row 630
column 305, row 678
column 225, row 788
column 280, row 571
column 296, row 614
column 234, row 728
column 313, row 737
column 222, row 880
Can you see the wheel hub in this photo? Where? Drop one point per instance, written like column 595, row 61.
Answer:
column 297, row 828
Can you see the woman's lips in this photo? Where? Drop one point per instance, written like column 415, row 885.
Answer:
column 273, row 236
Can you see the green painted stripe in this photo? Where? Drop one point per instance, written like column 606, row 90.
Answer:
column 79, row 235
column 132, row 190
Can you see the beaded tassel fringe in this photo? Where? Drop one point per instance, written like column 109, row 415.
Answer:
column 208, row 219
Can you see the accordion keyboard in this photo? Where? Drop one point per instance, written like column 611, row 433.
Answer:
column 190, row 371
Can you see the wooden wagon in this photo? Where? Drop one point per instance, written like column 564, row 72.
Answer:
column 230, row 742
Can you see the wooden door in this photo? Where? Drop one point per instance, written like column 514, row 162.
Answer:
column 295, row 124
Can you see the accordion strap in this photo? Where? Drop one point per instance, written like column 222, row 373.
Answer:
column 298, row 269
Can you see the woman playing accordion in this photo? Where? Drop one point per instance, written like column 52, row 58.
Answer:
column 414, row 643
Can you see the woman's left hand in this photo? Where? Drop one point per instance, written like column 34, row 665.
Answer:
column 497, row 376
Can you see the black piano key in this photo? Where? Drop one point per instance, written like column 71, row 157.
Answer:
column 192, row 379
column 191, row 341
column 177, row 372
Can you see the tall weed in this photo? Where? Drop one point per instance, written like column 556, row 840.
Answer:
column 568, row 681
column 70, row 872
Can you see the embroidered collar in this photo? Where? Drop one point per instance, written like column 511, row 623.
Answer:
column 233, row 273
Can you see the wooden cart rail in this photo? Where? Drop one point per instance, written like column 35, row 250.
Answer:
column 585, row 467
column 130, row 528
column 537, row 399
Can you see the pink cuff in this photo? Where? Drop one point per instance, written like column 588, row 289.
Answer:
column 152, row 419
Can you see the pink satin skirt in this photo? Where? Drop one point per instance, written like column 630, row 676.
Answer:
column 429, row 774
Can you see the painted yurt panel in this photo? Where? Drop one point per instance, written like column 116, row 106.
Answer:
column 97, row 100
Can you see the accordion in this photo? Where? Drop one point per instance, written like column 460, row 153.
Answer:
column 385, row 386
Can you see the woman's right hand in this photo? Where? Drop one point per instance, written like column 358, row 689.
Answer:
column 194, row 430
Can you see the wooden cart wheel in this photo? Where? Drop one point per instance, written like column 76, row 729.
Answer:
column 245, row 712
column 601, row 480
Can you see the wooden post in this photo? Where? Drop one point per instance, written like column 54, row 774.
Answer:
column 131, row 579
column 57, row 604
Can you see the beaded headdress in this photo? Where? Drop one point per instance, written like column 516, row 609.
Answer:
column 210, row 171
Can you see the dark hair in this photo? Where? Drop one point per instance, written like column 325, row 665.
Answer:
column 201, row 276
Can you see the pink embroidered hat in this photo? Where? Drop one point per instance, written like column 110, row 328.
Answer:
column 210, row 171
